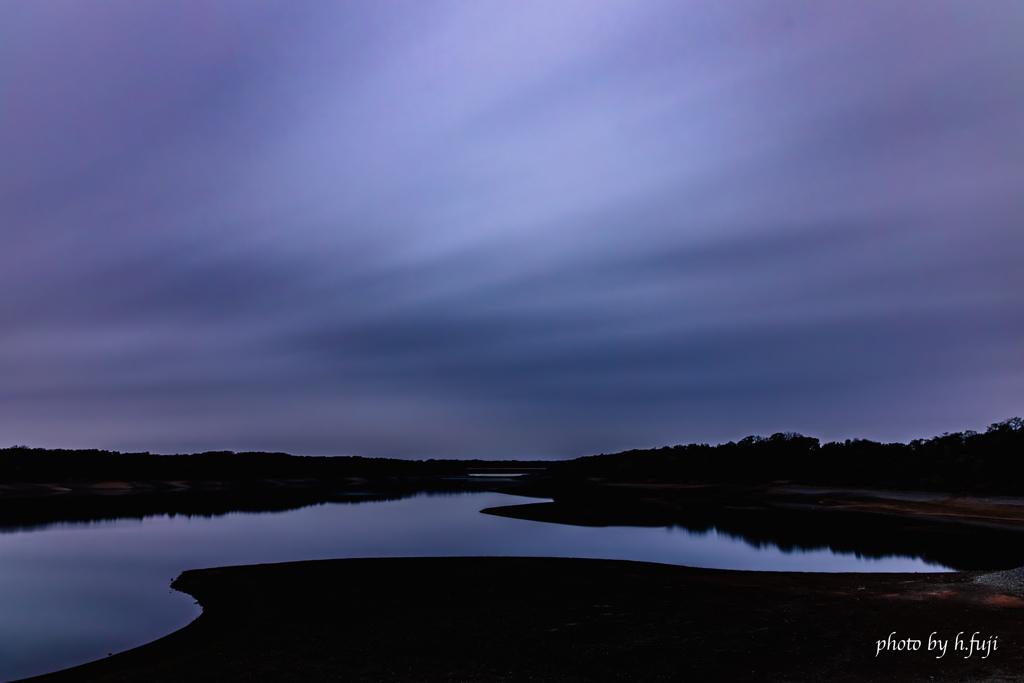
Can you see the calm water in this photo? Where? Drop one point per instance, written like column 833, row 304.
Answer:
column 71, row 593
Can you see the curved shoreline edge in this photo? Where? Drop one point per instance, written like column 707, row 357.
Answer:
column 552, row 619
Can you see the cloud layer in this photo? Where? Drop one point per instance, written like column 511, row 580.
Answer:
column 513, row 229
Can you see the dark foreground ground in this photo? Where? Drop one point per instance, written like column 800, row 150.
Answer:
column 544, row 619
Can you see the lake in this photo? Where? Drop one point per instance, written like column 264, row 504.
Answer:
column 73, row 592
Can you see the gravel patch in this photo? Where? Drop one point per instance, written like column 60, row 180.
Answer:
column 1011, row 580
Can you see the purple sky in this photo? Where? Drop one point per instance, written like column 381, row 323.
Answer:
column 508, row 228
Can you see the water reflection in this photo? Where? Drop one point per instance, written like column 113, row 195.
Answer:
column 37, row 513
column 864, row 535
column 73, row 592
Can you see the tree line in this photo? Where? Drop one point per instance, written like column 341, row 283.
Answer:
column 21, row 464
column 967, row 462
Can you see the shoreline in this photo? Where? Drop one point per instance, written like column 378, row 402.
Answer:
column 36, row 505
column 964, row 534
column 553, row 619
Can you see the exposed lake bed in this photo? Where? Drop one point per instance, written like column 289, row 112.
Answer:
column 556, row 619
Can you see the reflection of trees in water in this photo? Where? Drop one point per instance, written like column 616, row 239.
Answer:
column 35, row 513
column 874, row 536
column 958, row 546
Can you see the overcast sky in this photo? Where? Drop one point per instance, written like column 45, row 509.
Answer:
column 507, row 228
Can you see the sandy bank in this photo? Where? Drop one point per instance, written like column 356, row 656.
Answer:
column 544, row 619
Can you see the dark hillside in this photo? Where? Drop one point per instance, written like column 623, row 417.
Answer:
column 20, row 464
column 968, row 462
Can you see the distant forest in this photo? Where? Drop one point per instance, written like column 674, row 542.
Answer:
column 21, row 464
column 968, row 462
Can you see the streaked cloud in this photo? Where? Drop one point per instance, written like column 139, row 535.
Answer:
column 511, row 229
